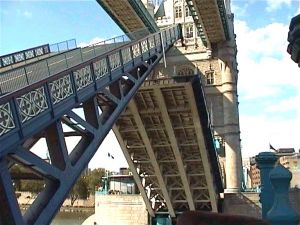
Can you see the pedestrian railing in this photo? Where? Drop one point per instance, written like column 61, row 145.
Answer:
column 69, row 56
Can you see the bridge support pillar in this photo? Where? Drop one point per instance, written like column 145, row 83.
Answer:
column 233, row 158
column 281, row 212
column 162, row 220
column 266, row 162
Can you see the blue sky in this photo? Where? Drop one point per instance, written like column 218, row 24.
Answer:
column 269, row 82
column 26, row 24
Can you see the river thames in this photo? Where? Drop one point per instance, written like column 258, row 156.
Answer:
column 71, row 218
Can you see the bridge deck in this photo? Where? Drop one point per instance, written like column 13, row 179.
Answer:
column 210, row 19
column 130, row 15
column 165, row 136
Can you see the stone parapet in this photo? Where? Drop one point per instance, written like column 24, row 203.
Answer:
column 120, row 210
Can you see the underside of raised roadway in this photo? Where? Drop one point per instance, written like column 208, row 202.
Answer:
column 130, row 15
column 166, row 138
column 163, row 128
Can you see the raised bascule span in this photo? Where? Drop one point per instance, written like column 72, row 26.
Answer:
column 163, row 125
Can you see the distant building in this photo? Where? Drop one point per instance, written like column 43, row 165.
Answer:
column 119, row 202
column 254, row 174
column 288, row 158
column 291, row 161
column 246, row 174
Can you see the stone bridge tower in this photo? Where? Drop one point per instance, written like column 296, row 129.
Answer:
column 218, row 67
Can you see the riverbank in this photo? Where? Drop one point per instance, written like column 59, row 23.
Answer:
column 25, row 199
column 67, row 209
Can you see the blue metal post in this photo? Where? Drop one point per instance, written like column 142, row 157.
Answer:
column 163, row 220
column 266, row 162
column 281, row 212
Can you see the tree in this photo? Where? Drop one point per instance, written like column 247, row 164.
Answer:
column 79, row 190
column 33, row 186
column 94, row 179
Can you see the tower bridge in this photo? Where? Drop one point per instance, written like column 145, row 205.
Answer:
column 165, row 115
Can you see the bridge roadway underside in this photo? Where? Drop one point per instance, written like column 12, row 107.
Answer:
column 165, row 136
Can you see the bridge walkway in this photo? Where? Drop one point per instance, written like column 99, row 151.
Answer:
column 44, row 108
column 53, row 61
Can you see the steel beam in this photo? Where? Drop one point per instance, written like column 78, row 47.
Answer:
column 203, row 150
column 143, row 132
column 168, row 125
column 136, row 176
column 23, row 118
column 10, row 213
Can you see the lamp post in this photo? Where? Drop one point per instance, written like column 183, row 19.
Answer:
column 266, row 162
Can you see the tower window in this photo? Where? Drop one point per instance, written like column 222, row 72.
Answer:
column 187, row 11
column 210, row 77
column 178, row 12
column 185, row 71
column 189, row 31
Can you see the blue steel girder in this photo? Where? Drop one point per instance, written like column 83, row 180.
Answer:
column 42, row 108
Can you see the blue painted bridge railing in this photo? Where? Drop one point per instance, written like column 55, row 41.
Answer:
column 63, row 55
column 41, row 109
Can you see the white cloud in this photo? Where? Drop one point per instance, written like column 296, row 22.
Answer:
column 267, row 74
column 286, row 105
column 273, row 5
column 96, row 40
column 27, row 14
column 258, row 131
column 267, row 41
column 23, row 13
column 241, row 11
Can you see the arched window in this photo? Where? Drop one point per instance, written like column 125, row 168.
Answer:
column 178, row 12
column 189, row 31
column 185, row 71
column 178, row 9
column 210, row 77
column 187, row 11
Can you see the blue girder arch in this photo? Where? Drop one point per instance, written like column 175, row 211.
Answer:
column 40, row 110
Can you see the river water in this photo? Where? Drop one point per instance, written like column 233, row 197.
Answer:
column 71, row 218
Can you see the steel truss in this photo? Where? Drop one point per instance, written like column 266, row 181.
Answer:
column 46, row 108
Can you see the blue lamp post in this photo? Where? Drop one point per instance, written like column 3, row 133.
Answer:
column 266, row 162
column 281, row 213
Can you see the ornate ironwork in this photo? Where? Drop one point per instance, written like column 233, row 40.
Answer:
column 34, row 111
column 151, row 42
column 114, row 60
column 32, row 104
column 83, row 77
column 8, row 60
column 136, row 50
column 126, row 55
column 19, row 57
column 144, row 45
column 6, row 119
column 61, row 89
column 100, row 68
column 39, row 51
column 157, row 40
column 29, row 54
